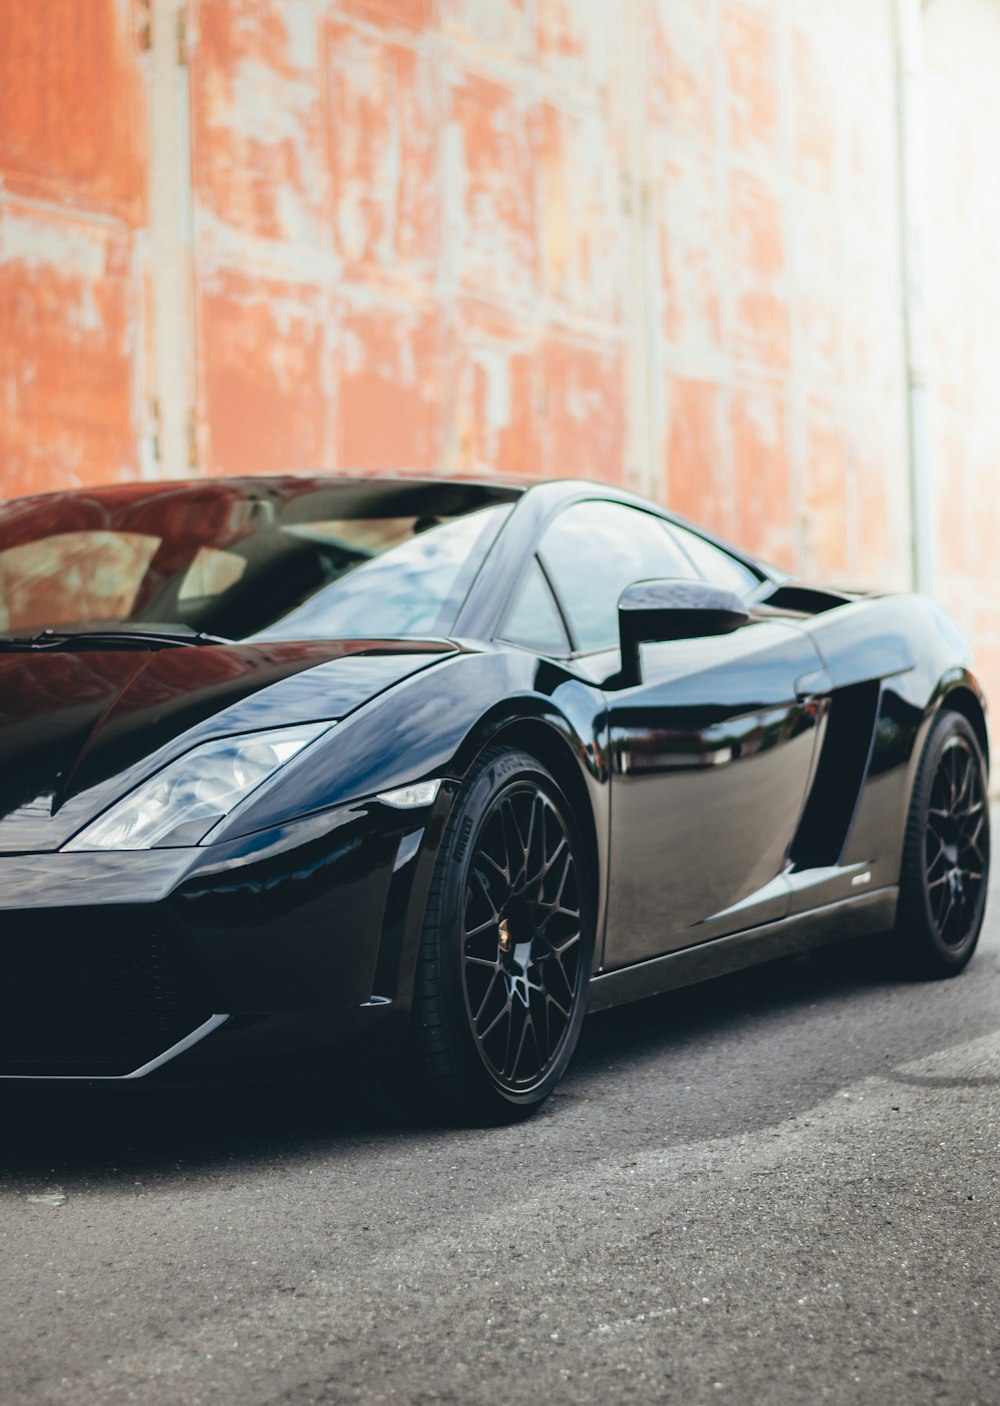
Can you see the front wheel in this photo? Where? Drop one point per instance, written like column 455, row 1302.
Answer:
column 946, row 855
column 506, row 948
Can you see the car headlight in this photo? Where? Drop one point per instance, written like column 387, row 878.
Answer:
column 182, row 803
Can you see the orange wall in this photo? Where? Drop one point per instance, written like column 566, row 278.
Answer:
column 72, row 200
column 962, row 114
column 655, row 241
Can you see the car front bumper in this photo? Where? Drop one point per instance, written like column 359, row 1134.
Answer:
column 171, row 963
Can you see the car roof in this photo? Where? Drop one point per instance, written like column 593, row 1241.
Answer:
column 545, row 495
column 284, row 485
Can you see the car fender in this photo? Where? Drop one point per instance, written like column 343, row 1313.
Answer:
column 434, row 725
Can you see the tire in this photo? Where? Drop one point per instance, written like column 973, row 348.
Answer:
column 946, row 855
column 505, row 952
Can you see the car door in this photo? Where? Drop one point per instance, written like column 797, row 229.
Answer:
column 711, row 752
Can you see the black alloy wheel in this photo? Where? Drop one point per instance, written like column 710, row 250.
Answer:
column 955, row 854
column 507, row 947
column 946, row 857
column 523, row 937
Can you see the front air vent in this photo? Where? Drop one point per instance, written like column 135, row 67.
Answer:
column 92, row 993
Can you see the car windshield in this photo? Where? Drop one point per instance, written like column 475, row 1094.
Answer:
column 277, row 559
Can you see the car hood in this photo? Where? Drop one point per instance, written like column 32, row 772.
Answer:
column 79, row 728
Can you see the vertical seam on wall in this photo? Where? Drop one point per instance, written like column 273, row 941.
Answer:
column 908, row 21
column 171, row 239
column 640, row 357
column 792, row 381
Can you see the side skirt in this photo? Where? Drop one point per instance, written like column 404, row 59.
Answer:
column 835, row 922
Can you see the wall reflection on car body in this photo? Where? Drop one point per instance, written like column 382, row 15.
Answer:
column 712, row 754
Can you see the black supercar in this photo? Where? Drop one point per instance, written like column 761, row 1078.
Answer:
column 405, row 775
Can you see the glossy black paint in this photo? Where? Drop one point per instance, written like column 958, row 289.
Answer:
column 718, row 741
column 78, row 729
column 656, row 611
column 691, row 784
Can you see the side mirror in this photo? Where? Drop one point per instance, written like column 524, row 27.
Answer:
column 655, row 611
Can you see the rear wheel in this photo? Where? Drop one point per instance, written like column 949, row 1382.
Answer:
column 946, row 856
column 506, row 948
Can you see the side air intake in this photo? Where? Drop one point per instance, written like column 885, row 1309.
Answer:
column 843, row 762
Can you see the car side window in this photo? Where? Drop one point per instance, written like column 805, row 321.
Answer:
column 593, row 551
column 535, row 620
column 715, row 565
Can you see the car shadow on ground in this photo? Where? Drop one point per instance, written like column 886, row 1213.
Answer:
column 667, row 1064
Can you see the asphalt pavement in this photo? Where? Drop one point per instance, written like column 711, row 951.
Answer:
column 777, row 1187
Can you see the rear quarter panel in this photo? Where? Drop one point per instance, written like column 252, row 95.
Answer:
column 919, row 654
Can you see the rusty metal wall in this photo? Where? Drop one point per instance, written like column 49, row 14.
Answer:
column 73, row 161
column 409, row 236
column 962, row 116
column 654, row 241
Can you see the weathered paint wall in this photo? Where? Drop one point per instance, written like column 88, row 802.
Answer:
column 657, row 241
column 774, row 188
column 962, row 56
column 72, row 205
column 408, row 237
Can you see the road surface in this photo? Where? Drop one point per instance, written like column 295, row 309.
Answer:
column 779, row 1187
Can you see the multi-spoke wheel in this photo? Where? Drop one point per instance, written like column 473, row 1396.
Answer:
column 522, row 936
column 507, row 946
column 947, row 853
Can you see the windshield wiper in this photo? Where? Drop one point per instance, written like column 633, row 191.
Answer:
column 110, row 639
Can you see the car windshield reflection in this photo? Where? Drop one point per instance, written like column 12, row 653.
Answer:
column 411, row 589
column 271, row 558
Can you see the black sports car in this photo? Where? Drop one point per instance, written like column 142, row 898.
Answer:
column 413, row 773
